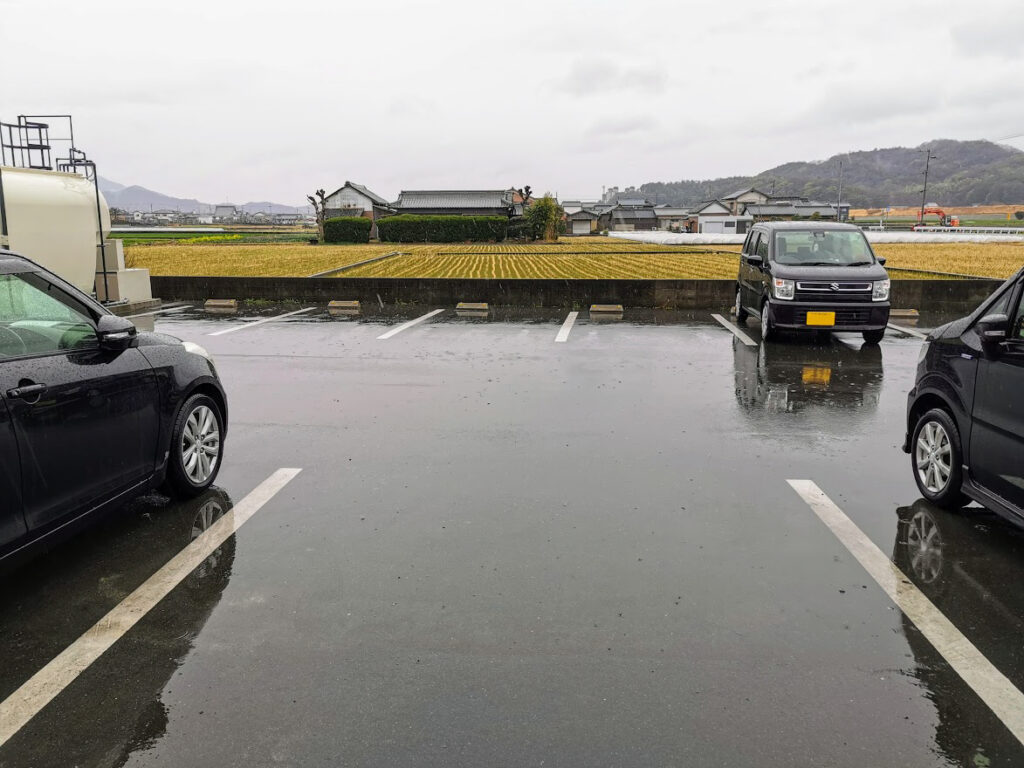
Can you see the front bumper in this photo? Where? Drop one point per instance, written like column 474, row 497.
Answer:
column 859, row 316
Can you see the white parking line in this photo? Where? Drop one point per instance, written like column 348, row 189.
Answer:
column 260, row 322
column 159, row 311
column 735, row 331
column 908, row 331
column 563, row 332
column 1005, row 700
column 26, row 702
column 399, row 328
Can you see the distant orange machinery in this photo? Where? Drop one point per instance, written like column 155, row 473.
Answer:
column 944, row 220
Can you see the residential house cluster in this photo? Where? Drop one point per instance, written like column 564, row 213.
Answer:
column 614, row 211
column 353, row 199
column 736, row 212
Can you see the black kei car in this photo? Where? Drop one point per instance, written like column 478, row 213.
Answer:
column 91, row 411
column 965, row 414
column 809, row 276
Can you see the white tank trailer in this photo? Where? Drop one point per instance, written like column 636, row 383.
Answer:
column 51, row 211
column 52, row 218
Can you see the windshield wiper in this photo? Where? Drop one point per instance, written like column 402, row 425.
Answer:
column 860, row 264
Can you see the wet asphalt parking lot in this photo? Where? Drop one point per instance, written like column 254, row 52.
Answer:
column 508, row 550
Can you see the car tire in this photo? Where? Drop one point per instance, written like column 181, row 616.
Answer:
column 874, row 337
column 936, row 437
column 767, row 329
column 196, row 447
column 741, row 313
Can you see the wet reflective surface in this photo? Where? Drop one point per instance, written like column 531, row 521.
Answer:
column 506, row 551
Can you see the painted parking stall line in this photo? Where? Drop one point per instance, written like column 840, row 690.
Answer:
column 399, row 328
column 260, row 322
column 734, row 330
column 39, row 690
column 998, row 693
column 563, row 332
column 908, row 331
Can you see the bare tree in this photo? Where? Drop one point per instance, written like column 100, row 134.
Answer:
column 319, row 202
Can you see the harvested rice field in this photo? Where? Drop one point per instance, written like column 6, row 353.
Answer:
column 570, row 258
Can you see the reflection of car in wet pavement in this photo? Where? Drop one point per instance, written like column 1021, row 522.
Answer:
column 971, row 568
column 116, row 555
column 965, row 414
column 790, row 377
column 91, row 411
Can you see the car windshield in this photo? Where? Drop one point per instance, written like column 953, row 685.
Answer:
column 823, row 247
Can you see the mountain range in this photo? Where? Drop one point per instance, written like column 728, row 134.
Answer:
column 136, row 198
column 961, row 173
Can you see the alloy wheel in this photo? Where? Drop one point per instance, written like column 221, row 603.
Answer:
column 933, row 457
column 200, row 445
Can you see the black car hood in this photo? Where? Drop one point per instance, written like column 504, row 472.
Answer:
column 151, row 339
column 797, row 272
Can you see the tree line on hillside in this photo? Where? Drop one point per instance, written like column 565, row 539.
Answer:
column 962, row 173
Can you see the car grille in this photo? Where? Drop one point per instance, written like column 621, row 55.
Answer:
column 833, row 291
column 846, row 316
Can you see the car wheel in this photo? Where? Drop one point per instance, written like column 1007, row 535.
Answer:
column 938, row 460
column 741, row 313
column 873, row 337
column 196, row 447
column 767, row 329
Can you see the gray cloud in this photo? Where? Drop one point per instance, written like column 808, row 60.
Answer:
column 990, row 37
column 597, row 76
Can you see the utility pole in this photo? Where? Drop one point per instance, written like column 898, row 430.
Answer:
column 928, row 157
column 839, row 202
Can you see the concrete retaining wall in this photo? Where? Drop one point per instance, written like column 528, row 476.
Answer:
column 667, row 294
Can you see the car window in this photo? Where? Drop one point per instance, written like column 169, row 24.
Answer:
column 1017, row 323
column 762, row 248
column 822, row 247
column 37, row 318
column 748, row 244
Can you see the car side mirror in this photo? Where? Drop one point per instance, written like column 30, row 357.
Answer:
column 115, row 333
column 754, row 261
column 881, row 260
column 992, row 331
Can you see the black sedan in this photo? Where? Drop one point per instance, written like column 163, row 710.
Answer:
column 91, row 411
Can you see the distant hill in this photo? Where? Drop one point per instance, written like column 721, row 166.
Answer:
column 136, row 198
column 964, row 173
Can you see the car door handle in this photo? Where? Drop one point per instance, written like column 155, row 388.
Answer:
column 26, row 392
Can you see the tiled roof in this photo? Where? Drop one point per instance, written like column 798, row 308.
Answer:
column 363, row 190
column 445, row 198
column 744, row 191
column 633, row 213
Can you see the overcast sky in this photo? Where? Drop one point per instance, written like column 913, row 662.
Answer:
column 267, row 101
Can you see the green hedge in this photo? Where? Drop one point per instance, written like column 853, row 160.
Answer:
column 408, row 228
column 347, row 229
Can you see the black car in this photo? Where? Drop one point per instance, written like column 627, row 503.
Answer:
column 91, row 411
column 808, row 276
column 965, row 414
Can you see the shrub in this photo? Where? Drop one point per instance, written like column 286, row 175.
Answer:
column 546, row 217
column 347, row 229
column 1018, row 215
column 408, row 228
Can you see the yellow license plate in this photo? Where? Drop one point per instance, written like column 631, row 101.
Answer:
column 821, row 318
column 816, row 375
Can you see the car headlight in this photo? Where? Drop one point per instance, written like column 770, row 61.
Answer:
column 195, row 349
column 784, row 289
column 881, row 291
